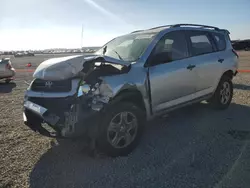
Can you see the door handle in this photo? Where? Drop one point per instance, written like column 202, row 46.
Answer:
column 220, row 60
column 190, row 67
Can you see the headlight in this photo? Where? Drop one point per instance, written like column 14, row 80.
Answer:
column 83, row 89
column 101, row 92
column 79, row 93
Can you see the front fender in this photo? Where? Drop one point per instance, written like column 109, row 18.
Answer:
column 133, row 95
column 131, row 82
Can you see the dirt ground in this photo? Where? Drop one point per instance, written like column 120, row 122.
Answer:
column 193, row 147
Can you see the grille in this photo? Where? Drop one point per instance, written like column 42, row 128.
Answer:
column 51, row 86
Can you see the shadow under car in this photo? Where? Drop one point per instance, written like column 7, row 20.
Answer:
column 190, row 147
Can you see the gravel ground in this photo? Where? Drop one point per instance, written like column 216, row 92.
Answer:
column 192, row 147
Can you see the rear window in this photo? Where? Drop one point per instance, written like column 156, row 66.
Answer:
column 220, row 41
column 200, row 43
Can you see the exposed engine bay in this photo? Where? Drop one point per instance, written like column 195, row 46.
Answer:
column 93, row 87
column 98, row 69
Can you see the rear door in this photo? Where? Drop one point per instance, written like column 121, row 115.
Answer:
column 226, row 54
column 204, row 55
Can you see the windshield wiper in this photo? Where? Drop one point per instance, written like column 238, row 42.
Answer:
column 105, row 50
column 117, row 54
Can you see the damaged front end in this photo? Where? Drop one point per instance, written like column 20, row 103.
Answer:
column 67, row 96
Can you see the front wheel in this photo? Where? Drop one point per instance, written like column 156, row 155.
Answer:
column 223, row 94
column 120, row 130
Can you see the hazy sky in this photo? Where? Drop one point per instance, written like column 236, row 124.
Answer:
column 33, row 24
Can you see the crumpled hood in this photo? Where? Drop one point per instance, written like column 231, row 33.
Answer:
column 67, row 67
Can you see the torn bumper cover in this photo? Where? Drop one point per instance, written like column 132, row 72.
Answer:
column 34, row 116
column 72, row 123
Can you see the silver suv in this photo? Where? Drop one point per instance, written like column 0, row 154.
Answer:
column 107, row 96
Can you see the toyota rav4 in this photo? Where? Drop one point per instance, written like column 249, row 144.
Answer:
column 108, row 96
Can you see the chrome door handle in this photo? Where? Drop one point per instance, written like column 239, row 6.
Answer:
column 190, row 67
column 220, row 60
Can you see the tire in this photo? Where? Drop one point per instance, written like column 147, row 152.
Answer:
column 114, row 130
column 222, row 101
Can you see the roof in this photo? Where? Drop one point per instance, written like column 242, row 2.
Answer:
column 160, row 28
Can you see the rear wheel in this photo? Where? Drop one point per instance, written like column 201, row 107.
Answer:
column 121, row 129
column 223, row 94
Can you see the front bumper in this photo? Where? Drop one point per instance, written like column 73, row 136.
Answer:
column 52, row 123
column 37, row 126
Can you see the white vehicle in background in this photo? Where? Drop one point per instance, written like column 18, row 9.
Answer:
column 7, row 72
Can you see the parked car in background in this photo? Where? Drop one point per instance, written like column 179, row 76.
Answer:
column 7, row 72
column 29, row 54
column 24, row 54
column 8, row 53
column 108, row 95
column 19, row 54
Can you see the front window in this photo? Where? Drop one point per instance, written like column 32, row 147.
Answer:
column 170, row 48
column 128, row 47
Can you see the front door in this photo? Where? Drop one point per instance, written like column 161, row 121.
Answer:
column 172, row 75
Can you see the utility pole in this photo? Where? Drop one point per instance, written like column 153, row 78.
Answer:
column 82, row 37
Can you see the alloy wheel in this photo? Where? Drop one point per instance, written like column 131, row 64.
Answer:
column 122, row 129
column 225, row 93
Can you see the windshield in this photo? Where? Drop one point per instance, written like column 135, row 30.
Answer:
column 128, row 47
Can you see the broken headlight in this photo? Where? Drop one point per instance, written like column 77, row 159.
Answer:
column 100, row 94
column 83, row 89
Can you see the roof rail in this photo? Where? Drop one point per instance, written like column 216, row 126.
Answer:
column 196, row 25
column 160, row 27
column 152, row 28
column 225, row 31
column 179, row 25
column 137, row 31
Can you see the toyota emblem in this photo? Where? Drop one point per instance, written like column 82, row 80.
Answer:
column 48, row 84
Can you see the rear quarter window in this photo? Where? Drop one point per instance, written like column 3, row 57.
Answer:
column 220, row 41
